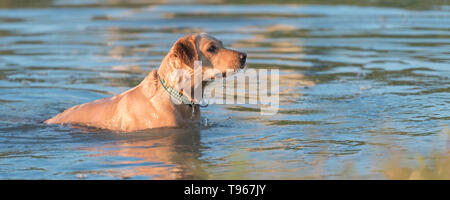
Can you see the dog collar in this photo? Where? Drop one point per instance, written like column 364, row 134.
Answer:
column 178, row 95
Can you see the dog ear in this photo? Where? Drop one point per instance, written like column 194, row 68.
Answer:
column 185, row 50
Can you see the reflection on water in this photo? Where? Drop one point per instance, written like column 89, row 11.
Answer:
column 161, row 154
column 359, row 82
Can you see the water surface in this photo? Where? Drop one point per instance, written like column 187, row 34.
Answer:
column 358, row 84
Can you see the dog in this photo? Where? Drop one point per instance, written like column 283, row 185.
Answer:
column 151, row 103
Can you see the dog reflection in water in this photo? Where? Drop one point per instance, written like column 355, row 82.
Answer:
column 166, row 153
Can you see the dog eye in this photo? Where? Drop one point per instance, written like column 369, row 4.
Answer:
column 212, row 48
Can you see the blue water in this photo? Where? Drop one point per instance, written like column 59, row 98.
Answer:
column 358, row 84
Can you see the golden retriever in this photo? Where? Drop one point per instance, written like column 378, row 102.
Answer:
column 150, row 104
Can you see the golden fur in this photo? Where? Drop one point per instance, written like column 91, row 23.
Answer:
column 148, row 105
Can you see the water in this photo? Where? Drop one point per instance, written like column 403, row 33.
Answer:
column 358, row 84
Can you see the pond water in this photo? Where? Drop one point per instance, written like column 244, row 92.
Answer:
column 360, row 85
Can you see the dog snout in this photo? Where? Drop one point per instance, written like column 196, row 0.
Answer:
column 242, row 58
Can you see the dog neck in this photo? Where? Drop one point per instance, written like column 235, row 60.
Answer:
column 176, row 94
column 155, row 92
column 180, row 84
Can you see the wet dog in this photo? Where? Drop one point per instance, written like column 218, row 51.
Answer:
column 151, row 103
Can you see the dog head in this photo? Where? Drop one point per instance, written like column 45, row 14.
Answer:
column 215, row 59
column 197, row 59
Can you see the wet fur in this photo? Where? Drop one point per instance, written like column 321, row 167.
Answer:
column 148, row 105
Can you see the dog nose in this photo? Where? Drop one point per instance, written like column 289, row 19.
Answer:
column 242, row 57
